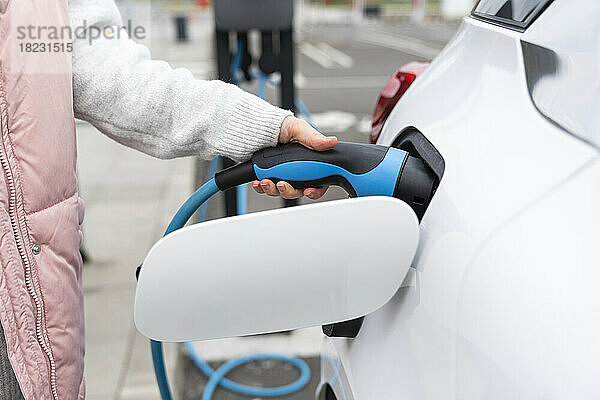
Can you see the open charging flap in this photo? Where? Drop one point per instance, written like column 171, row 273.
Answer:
column 276, row 270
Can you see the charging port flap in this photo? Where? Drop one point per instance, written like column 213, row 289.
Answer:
column 276, row 270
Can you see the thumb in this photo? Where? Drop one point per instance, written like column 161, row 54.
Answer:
column 317, row 141
column 306, row 135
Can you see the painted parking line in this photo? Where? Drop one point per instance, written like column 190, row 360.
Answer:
column 317, row 55
column 404, row 44
column 339, row 57
column 299, row 80
column 326, row 55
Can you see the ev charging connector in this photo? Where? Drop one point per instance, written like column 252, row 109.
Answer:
column 360, row 169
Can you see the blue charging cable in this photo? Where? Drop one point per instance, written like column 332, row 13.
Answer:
column 217, row 377
column 184, row 213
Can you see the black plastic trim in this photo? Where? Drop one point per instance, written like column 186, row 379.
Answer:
column 347, row 329
column 416, row 144
column 509, row 23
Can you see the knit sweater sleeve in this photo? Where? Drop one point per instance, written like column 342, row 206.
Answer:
column 147, row 105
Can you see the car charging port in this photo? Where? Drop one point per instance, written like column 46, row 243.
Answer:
column 416, row 144
column 424, row 170
column 416, row 186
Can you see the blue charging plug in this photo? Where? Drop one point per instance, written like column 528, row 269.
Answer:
column 361, row 169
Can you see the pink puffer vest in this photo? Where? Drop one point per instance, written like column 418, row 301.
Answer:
column 40, row 283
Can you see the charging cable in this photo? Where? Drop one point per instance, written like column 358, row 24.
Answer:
column 217, row 377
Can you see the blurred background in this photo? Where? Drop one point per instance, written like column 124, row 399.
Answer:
column 344, row 53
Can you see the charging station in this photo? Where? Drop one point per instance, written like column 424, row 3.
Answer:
column 234, row 19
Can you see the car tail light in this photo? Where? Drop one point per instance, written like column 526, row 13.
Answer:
column 391, row 93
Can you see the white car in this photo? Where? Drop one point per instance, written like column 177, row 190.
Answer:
column 503, row 301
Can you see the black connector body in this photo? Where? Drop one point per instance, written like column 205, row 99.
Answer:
column 234, row 176
column 416, row 185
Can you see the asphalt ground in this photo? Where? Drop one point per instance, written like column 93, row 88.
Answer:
column 340, row 71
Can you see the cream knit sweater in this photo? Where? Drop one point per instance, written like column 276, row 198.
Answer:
column 165, row 112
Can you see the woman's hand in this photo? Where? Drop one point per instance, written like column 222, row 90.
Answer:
column 297, row 130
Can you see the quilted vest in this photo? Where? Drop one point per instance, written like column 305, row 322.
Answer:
column 41, row 306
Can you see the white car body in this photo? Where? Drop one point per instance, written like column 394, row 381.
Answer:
column 504, row 298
